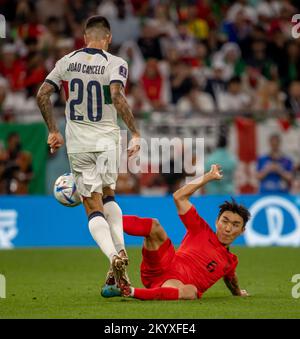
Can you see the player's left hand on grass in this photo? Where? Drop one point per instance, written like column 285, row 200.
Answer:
column 134, row 146
column 244, row 293
column 55, row 141
column 216, row 172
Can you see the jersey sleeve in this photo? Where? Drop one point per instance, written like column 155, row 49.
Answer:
column 56, row 75
column 119, row 73
column 193, row 222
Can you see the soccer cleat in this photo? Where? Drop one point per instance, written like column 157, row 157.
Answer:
column 125, row 290
column 110, row 291
column 110, row 279
column 120, row 274
column 124, row 257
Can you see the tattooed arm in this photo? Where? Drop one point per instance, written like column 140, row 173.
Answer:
column 124, row 110
column 122, row 107
column 233, row 286
column 55, row 139
column 44, row 103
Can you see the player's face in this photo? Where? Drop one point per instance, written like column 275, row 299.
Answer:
column 229, row 226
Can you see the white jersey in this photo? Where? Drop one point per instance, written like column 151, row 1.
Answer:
column 85, row 75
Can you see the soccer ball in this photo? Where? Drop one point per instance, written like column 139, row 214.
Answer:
column 65, row 191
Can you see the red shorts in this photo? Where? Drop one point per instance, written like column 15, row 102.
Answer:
column 159, row 266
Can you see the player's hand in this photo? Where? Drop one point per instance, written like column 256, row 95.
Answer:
column 55, row 141
column 134, row 146
column 216, row 172
column 244, row 293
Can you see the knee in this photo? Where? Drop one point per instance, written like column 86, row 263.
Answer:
column 107, row 191
column 92, row 203
column 188, row 292
column 156, row 230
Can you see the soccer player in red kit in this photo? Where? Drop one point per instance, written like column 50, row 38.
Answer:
column 203, row 256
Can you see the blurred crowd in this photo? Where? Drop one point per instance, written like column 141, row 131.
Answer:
column 15, row 167
column 196, row 55
column 190, row 56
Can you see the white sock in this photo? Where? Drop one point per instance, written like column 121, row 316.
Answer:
column 113, row 215
column 100, row 231
column 132, row 292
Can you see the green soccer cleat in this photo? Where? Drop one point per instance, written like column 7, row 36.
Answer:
column 109, row 291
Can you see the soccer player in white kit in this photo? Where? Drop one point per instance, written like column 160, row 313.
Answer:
column 94, row 82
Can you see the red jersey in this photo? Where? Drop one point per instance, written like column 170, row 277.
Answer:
column 201, row 259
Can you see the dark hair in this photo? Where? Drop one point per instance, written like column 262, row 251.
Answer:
column 97, row 21
column 234, row 207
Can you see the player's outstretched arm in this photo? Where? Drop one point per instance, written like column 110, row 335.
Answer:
column 181, row 196
column 233, row 285
column 55, row 139
column 124, row 110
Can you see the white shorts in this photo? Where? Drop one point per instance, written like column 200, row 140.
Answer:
column 95, row 170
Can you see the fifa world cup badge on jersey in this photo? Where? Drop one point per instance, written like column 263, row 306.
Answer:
column 123, row 71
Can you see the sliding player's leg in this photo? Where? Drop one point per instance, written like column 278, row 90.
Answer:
column 158, row 254
column 171, row 290
column 186, row 292
column 149, row 228
column 156, row 238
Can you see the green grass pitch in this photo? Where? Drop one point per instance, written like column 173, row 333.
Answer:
column 65, row 283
